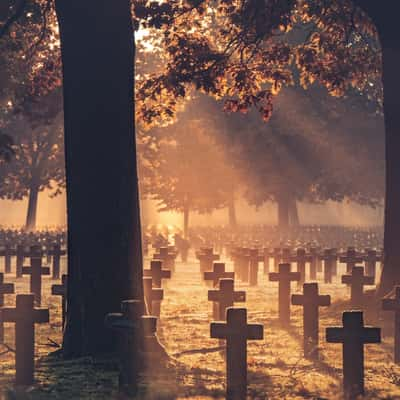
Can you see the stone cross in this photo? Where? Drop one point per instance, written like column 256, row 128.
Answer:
column 357, row 280
column 277, row 257
column 243, row 265
column 266, row 260
column 301, row 258
column 370, row 259
column 284, row 277
column 134, row 331
column 206, row 257
column 354, row 335
column 226, row 296
column 218, row 273
column 56, row 252
column 36, row 271
column 166, row 257
column 286, row 255
column 350, row 259
column 157, row 273
column 61, row 290
column 7, row 252
column 311, row 300
column 20, row 253
column 153, row 297
column 236, row 331
column 329, row 257
column 393, row 304
column 314, row 263
column 5, row 288
column 254, row 259
column 25, row 316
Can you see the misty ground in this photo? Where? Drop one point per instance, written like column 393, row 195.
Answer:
column 196, row 369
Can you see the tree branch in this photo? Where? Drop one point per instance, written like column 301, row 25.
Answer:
column 13, row 18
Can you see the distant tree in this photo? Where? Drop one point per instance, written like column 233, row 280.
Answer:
column 38, row 164
column 189, row 173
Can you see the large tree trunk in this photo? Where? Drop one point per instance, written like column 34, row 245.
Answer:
column 30, row 224
column 386, row 22
column 391, row 60
column 293, row 213
column 232, row 212
column 186, row 214
column 104, row 238
column 283, row 211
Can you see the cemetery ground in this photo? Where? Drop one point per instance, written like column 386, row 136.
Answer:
column 196, row 367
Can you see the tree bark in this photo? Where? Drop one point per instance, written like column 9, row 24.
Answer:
column 186, row 213
column 385, row 19
column 104, row 234
column 293, row 213
column 283, row 212
column 232, row 212
column 391, row 67
column 30, row 224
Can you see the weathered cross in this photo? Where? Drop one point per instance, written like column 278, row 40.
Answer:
column 61, row 290
column 254, row 259
column 25, row 316
column 243, row 264
column 354, row 335
column 370, row 259
column 132, row 326
column 56, row 252
column 36, row 271
column 266, row 260
column 206, row 257
column 236, row 331
column 311, row 300
column 314, row 263
column 226, row 296
column 284, row 277
column 357, row 280
column 277, row 257
column 329, row 258
column 7, row 252
column 301, row 258
column 153, row 297
column 350, row 259
column 5, row 288
column 157, row 273
column 20, row 253
column 393, row 304
column 166, row 257
column 218, row 273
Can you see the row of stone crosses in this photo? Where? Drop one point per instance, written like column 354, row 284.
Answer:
column 233, row 326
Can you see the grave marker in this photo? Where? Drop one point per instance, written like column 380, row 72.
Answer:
column 134, row 330
column 153, row 297
column 61, row 290
column 5, row 288
column 311, row 300
column 56, row 252
column 329, row 258
column 350, row 259
column 393, row 304
column 284, row 277
column 36, row 271
column 157, row 273
column 218, row 273
column 25, row 316
column 353, row 335
column 226, row 296
column 301, row 258
column 357, row 280
column 236, row 331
